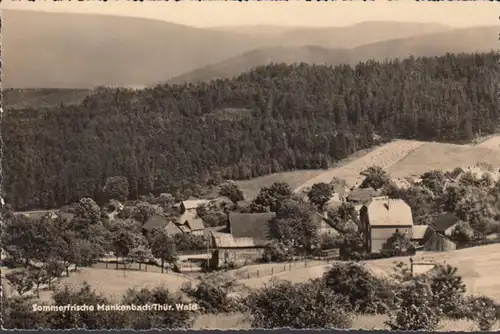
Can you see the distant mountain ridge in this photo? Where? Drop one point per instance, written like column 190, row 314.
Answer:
column 61, row 50
column 478, row 39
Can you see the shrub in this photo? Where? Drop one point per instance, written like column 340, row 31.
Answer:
column 300, row 306
column 448, row 289
column 415, row 307
column 365, row 292
column 212, row 294
column 481, row 309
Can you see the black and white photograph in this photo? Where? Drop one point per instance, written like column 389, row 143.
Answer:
column 250, row 165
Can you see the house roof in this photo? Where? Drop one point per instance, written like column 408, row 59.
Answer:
column 155, row 222
column 444, row 222
column 250, row 225
column 384, row 211
column 418, row 231
column 194, row 222
column 172, row 228
column 194, row 203
column 226, row 240
column 362, row 195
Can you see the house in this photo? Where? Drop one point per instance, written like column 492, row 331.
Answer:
column 191, row 219
column 361, row 195
column 445, row 223
column 250, row 225
column 161, row 223
column 231, row 250
column 244, row 240
column 381, row 218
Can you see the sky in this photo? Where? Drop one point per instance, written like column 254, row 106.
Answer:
column 293, row 13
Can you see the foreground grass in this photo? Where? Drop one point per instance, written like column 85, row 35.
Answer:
column 114, row 283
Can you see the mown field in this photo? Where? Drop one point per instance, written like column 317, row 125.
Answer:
column 401, row 158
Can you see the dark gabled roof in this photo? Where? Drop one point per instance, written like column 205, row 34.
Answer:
column 250, row 225
column 155, row 222
column 444, row 222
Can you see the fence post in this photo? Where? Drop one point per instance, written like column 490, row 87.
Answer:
column 272, row 271
column 305, row 263
column 106, row 264
column 257, row 273
column 284, row 267
column 248, row 274
column 290, row 266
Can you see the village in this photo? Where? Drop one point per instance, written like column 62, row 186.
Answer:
column 242, row 234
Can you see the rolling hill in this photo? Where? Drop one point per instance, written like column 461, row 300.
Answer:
column 432, row 44
column 55, row 50
column 61, row 50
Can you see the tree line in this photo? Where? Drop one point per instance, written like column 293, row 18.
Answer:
column 274, row 118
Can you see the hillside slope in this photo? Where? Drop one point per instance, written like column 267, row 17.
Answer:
column 432, row 44
column 82, row 51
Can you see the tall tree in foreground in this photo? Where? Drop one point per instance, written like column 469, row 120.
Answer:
column 163, row 247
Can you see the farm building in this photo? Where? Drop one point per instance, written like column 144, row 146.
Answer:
column 381, row 218
column 445, row 224
column 231, row 250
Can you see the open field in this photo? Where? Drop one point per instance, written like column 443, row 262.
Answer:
column 252, row 187
column 295, row 179
column 441, row 156
column 114, row 283
column 479, row 267
column 384, row 156
column 492, row 142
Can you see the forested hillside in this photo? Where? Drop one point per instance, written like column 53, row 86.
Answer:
column 273, row 118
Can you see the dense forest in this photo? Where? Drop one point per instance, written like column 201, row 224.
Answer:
column 274, row 118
